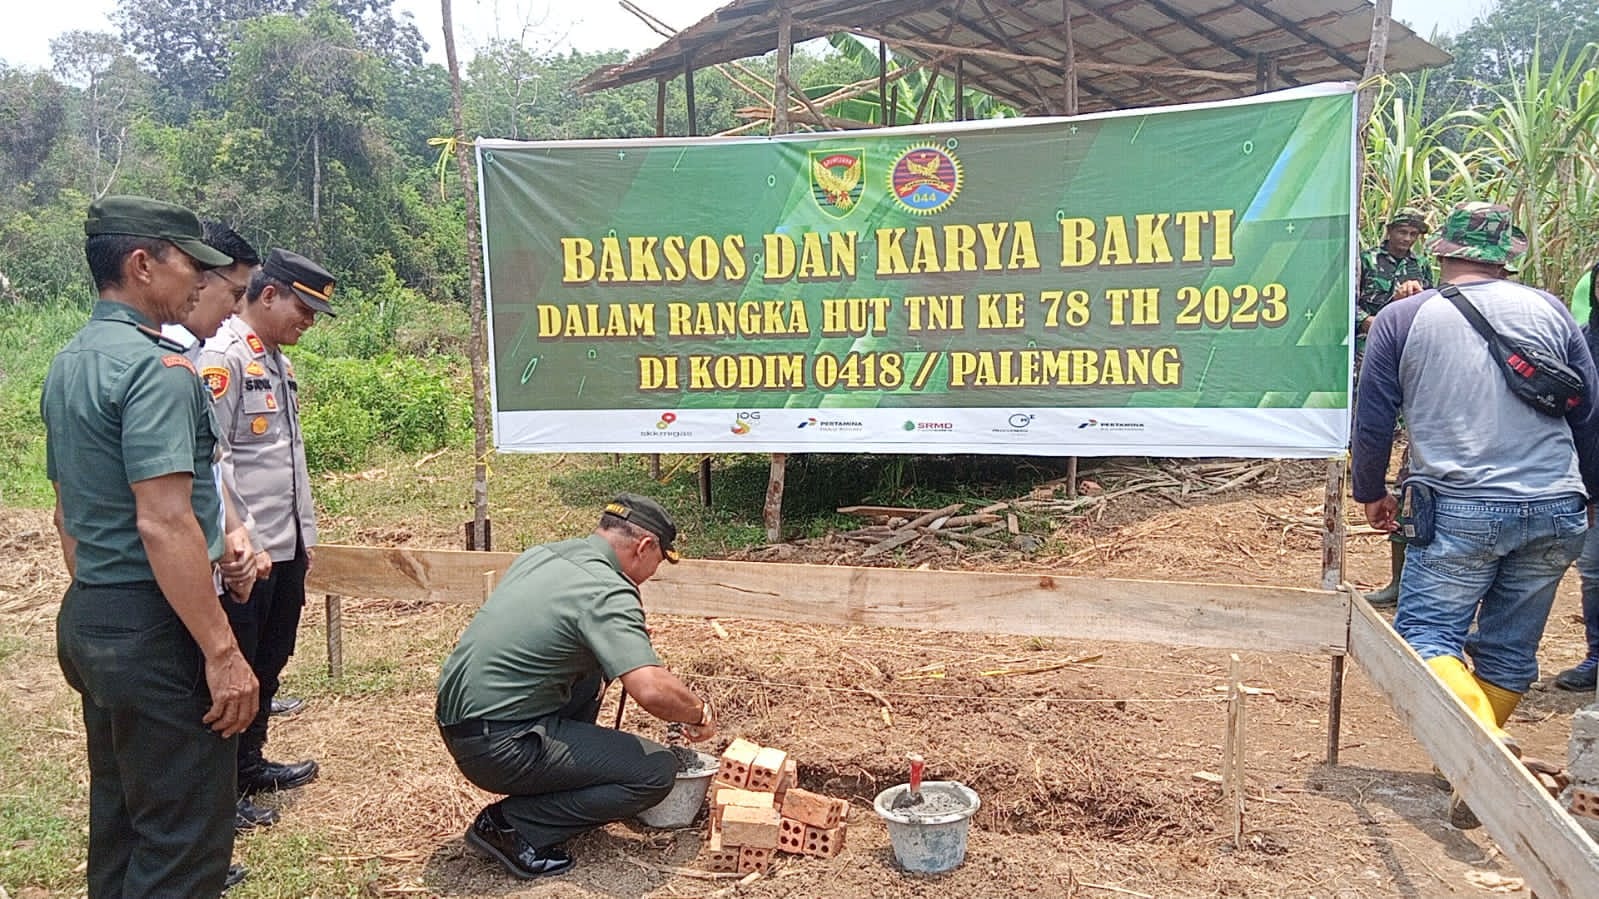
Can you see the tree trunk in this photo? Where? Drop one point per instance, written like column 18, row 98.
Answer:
column 474, row 257
column 316, row 190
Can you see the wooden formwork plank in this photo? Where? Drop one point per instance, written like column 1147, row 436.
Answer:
column 1267, row 619
column 1552, row 851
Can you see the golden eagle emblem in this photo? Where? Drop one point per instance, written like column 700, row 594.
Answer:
column 837, row 179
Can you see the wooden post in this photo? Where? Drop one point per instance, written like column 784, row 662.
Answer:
column 882, row 84
column 660, row 107
column 785, row 34
column 1232, row 768
column 705, row 481
column 1071, row 59
column 688, row 91
column 655, row 466
column 1376, row 64
column 1332, row 575
column 335, row 610
column 960, row 88
column 772, row 513
column 1071, row 477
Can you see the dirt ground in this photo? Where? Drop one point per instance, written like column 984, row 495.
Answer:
column 1087, row 772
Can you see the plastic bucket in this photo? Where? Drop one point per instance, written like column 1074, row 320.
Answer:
column 929, row 843
column 683, row 803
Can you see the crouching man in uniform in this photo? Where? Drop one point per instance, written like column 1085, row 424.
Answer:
column 518, row 697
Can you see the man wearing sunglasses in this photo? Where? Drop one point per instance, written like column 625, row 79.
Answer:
column 256, row 398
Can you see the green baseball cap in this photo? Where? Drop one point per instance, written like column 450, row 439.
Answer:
column 144, row 217
column 1481, row 232
column 1410, row 215
column 649, row 515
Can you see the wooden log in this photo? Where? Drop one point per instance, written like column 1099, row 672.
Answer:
column 1232, row 772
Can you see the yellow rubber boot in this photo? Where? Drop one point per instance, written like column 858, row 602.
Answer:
column 1502, row 701
column 1469, row 690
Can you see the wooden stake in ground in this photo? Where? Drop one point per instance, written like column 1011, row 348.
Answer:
column 335, row 610
column 474, row 260
column 1232, row 768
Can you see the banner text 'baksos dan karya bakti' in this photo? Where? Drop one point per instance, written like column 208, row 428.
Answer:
column 1154, row 282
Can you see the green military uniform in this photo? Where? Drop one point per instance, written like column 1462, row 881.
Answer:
column 1380, row 272
column 518, row 697
column 121, row 404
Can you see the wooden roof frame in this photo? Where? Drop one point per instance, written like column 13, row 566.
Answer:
column 1123, row 53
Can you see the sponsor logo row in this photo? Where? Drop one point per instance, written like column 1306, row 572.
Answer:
column 744, row 423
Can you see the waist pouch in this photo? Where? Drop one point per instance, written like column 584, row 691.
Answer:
column 1537, row 378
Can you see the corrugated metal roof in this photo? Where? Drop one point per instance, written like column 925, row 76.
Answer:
column 1130, row 53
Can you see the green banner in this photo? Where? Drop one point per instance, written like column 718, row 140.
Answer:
column 1184, row 263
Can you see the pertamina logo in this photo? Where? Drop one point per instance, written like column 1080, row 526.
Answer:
column 829, row 424
column 1091, row 423
column 926, row 179
column 838, row 178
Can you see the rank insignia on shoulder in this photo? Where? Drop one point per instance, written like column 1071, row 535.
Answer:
column 259, row 425
column 216, row 379
column 255, row 368
column 256, row 346
column 177, row 360
column 271, row 402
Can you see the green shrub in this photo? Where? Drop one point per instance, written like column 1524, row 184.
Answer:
column 338, row 433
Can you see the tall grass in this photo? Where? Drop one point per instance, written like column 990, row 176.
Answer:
column 29, row 337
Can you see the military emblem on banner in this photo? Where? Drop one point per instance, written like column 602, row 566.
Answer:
column 837, row 179
column 926, row 179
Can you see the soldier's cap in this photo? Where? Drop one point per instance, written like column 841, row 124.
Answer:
column 144, row 217
column 310, row 281
column 1410, row 215
column 1481, row 232
column 649, row 515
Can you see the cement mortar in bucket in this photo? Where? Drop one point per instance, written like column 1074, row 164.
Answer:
column 688, row 793
column 929, row 837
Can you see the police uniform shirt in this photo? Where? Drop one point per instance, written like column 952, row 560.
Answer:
column 121, row 404
column 258, row 412
column 563, row 612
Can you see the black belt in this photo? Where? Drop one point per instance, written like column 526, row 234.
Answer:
column 479, row 727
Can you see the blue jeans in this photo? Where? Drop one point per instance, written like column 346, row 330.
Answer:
column 1588, row 567
column 1498, row 563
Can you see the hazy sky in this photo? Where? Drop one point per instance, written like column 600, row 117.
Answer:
column 541, row 24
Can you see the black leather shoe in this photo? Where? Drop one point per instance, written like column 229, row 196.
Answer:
column 506, row 846
column 249, row 815
column 268, row 776
column 236, row 874
column 287, row 706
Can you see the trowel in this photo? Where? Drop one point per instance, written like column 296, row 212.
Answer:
column 913, row 796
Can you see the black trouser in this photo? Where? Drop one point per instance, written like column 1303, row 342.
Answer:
column 562, row 774
column 266, row 627
column 161, row 783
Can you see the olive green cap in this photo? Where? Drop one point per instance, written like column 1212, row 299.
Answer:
column 144, row 217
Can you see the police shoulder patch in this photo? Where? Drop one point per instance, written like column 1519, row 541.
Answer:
column 217, row 379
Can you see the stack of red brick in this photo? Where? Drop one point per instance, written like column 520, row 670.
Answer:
column 757, row 810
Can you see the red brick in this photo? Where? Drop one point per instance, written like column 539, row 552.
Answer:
column 751, row 859
column 736, row 760
column 754, row 827
column 824, row 843
column 766, row 770
column 1585, row 802
column 791, row 836
column 746, row 798
column 721, row 861
column 810, row 808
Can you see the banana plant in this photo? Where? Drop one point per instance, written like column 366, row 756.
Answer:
column 905, row 92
